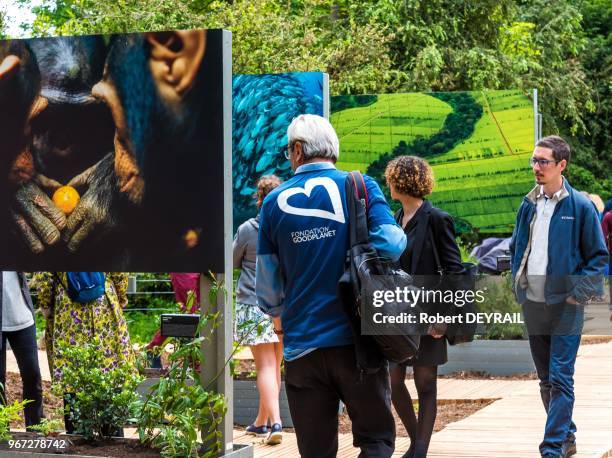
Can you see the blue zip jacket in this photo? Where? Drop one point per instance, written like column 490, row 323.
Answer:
column 576, row 250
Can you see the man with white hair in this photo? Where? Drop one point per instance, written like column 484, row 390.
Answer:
column 301, row 252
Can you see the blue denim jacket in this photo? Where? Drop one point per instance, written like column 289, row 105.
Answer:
column 577, row 253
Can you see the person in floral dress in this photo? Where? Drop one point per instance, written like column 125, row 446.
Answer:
column 100, row 322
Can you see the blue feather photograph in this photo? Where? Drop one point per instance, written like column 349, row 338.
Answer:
column 263, row 108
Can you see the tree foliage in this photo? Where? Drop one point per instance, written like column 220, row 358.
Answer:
column 2, row 24
column 560, row 47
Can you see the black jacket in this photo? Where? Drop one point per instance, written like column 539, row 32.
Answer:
column 25, row 290
column 440, row 224
column 442, row 227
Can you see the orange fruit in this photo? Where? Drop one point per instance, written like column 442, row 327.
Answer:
column 66, row 198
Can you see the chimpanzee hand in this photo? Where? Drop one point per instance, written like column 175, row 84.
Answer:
column 37, row 218
column 8, row 67
column 93, row 214
column 17, row 114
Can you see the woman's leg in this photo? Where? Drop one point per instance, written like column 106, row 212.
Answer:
column 24, row 347
column 3, row 369
column 267, row 385
column 278, row 351
column 426, row 381
column 262, row 415
column 403, row 402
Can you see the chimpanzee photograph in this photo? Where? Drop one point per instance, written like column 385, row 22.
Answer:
column 113, row 152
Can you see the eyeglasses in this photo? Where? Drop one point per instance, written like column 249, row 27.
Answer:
column 541, row 162
column 290, row 148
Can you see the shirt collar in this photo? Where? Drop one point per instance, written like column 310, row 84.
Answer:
column 537, row 192
column 557, row 196
column 315, row 166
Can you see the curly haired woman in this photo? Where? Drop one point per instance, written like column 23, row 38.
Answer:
column 431, row 234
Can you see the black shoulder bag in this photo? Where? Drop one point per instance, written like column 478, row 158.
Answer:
column 459, row 332
column 366, row 271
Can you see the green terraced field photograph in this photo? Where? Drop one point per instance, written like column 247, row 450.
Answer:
column 478, row 144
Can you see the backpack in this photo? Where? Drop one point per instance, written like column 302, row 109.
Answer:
column 366, row 272
column 85, row 286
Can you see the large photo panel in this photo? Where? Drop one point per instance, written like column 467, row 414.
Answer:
column 263, row 108
column 478, row 144
column 115, row 152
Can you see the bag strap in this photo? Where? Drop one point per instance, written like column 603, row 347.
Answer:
column 357, row 202
column 360, row 188
column 434, row 247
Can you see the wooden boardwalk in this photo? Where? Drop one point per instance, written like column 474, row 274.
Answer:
column 289, row 448
column 511, row 427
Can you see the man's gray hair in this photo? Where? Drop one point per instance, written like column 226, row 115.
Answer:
column 317, row 136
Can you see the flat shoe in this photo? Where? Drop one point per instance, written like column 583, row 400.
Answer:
column 276, row 435
column 258, row 431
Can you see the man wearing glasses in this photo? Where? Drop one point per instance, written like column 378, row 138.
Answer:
column 301, row 251
column 558, row 258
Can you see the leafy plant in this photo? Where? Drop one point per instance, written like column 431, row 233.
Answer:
column 99, row 398
column 49, row 427
column 499, row 298
column 180, row 405
column 9, row 413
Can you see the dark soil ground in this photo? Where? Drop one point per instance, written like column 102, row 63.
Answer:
column 448, row 412
column 481, row 375
column 52, row 404
column 591, row 340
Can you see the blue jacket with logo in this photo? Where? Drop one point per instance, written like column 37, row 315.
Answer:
column 576, row 250
column 301, row 252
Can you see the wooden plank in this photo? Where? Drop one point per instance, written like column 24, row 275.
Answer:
column 511, row 427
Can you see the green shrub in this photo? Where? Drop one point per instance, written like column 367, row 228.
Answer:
column 99, row 398
column 499, row 298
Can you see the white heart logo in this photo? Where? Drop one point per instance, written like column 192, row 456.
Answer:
column 332, row 190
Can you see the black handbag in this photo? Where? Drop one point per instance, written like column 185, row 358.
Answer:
column 366, row 271
column 459, row 332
